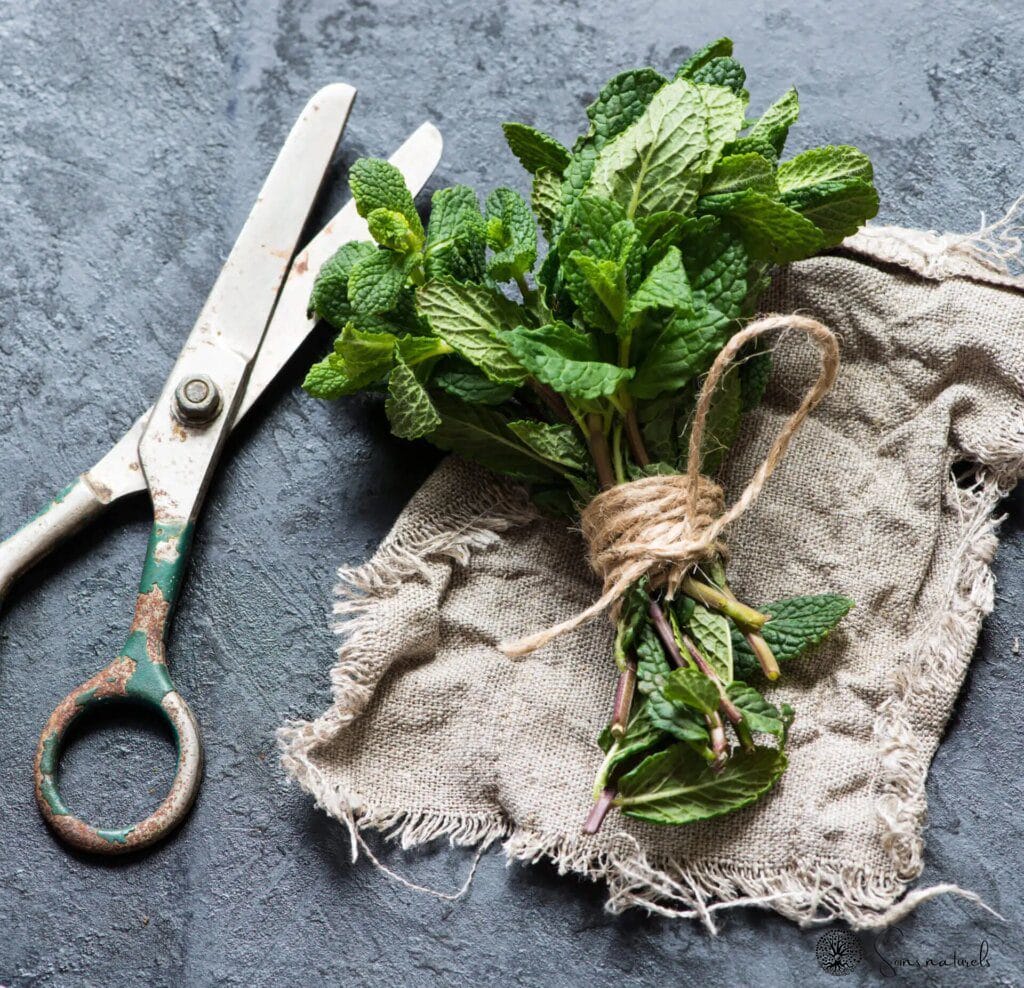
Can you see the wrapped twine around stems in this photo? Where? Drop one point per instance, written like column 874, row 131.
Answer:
column 662, row 526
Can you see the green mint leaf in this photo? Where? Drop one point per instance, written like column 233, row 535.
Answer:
column 674, row 351
column 555, row 442
column 471, row 319
column 712, row 636
column 409, row 409
column 794, row 626
column 392, row 230
column 759, row 714
column 652, row 668
column 327, row 379
column 482, row 435
column 770, row 230
column 642, row 734
column 567, row 360
column 367, row 356
column 676, row 719
column 824, row 164
column 377, row 184
column 589, row 223
column 692, row 689
column 622, row 100
column 722, row 71
column 546, row 199
column 598, row 287
column 456, row 236
column 736, row 172
column 659, row 161
column 837, row 208
column 751, row 145
column 720, row 48
column 535, row 149
column 722, row 425
column 659, row 427
column 376, row 282
column 329, row 299
column 719, row 268
column 676, row 786
column 666, row 287
column 511, row 234
column 470, row 385
column 774, row 124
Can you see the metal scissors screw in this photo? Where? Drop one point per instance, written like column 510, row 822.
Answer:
column 253, row 321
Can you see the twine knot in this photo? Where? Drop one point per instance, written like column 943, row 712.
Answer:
column 662, row 526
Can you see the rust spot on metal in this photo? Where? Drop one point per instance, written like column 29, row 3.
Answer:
column 302, row 264
column 150, row 618
column 110, row 681
column 178, row 431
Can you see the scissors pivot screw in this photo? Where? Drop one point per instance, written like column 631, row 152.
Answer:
column 197, row 399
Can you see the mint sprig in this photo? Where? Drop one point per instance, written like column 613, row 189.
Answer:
column 578, row 369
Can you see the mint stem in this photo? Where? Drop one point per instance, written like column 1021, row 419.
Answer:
column 623, row 700
column 599, row 811
column 746, row 617
column 731, row 711
column 599, row 451
column 553, row 400
column 664, row 632
column 763, row 653
column 635, row 439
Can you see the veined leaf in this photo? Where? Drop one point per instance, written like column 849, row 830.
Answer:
column 642, row 734
column 329, row 299
column 774, row 124
column 409, row 409
column 652, row 668
column 546, row 199
column 679, row 720
column 471, row 320
column 837, row 208
column 376, row 282
column 327, row 379
column 482, row 435
column 391, row 229
column 367, row 356
column 555, row 442
column 511, row 234
column 622, row 100
column 720, row 48
column 567, row 360
column 676, row 786
column 736, row 172
column 824, row 164
column 718, row 267
column 759, row 714
column 377, row 184
column 712, row 636
column 659, row 161
column 598, row 287
column 456, row 236
column 467, row 383
column 722, row 71
column 665, row 287
column 769, row 229
column 692, row 689
column 535, row 149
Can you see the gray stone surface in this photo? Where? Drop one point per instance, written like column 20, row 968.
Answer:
column 135, row 137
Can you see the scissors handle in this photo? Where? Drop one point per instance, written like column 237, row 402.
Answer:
column 69, row 511
column 139, row 674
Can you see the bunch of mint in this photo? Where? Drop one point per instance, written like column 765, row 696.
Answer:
column 663, row 222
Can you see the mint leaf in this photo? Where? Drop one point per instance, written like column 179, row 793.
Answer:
column 377, row 184
column 482, row 434
column 759, row 714
column 329, row 299
column 642, row 734
column 712, row 636
column 675, row 786
column 665, row 288
column 770, row 230
column 736, row 172
column 721, row 48
column 774, row 124
column 391, row 229
column 456, row 236
column 652, row 668
column 658, row 162
column 598, row 287
column 837, row 208
column 692, row 689
column 553, row 441
column 718, row 266
column 676, row 719
column 622, row 100
column 511, row 234
column 471, row 320
column 327, row 379
column 546, row 199
column 824, row 164
column 367, row 356
column 472, row 386
column 722, row 71
column 408, row 406
column 722, row 425
column 794, row 626
column 535, row 149
column 566, row 360
column 675, row 350
column 376, row 281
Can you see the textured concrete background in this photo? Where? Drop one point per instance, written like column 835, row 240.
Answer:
column 135, row 136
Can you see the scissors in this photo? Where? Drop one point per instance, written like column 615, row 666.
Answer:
column 253, row 321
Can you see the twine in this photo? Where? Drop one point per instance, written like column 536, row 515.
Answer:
column 662, row 526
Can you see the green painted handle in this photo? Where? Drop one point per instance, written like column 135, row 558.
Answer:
column 140, row 674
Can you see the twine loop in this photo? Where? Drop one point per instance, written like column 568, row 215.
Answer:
column 662, row 526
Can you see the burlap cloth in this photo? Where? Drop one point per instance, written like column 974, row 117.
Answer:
column 433, row 732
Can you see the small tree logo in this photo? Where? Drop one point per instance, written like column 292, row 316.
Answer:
column 838, row 952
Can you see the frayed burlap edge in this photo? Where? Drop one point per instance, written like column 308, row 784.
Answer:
column 808, row 891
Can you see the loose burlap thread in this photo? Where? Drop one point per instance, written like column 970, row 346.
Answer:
column 434, row 733
column 661, row 527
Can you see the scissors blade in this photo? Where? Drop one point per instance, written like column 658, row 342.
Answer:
column 178, row 455
column 416, row 159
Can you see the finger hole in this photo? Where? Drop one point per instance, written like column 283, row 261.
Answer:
column 118, row 762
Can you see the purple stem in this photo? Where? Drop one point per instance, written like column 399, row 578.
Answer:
column 599, row 811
